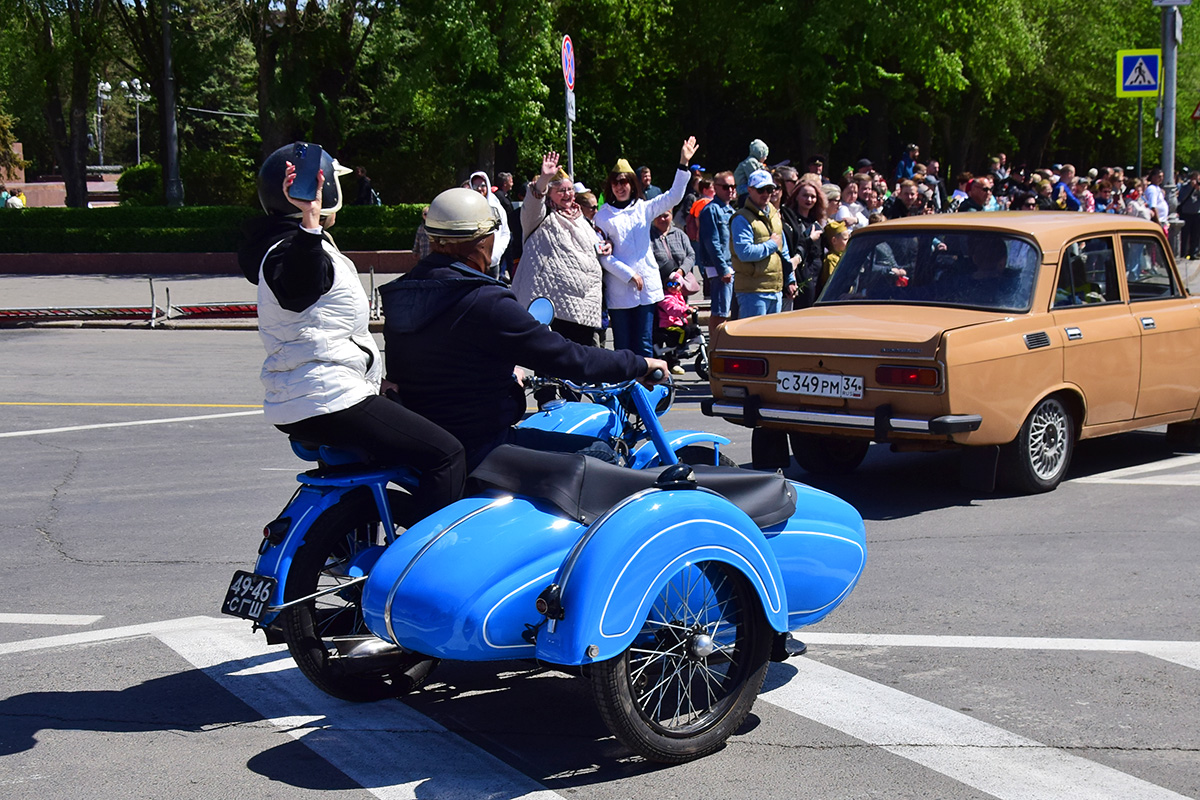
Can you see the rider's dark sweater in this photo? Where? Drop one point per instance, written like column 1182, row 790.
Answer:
column 452, row 337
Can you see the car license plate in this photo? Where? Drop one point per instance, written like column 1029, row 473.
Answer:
column 820, row 384
column 248, row 595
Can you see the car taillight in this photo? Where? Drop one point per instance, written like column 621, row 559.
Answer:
column 749, row 367
column 906, row 376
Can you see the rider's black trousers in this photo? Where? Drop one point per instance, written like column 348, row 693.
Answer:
column 387, row 433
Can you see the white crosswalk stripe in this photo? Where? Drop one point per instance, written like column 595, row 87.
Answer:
column 391, row 750
column 983, row 756
column 1155, row 473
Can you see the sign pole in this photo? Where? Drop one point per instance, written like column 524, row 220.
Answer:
column 1170, row 61
column 568, row 65
column 1141, row 121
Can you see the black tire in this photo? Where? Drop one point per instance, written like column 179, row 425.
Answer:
column 1038, row 459
column 699, row 454
column 312, row 629
column 701, row 366
column 828, row 455
column 675, row 695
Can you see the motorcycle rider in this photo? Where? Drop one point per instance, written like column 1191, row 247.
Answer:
column 453, row 335
column 322, row 370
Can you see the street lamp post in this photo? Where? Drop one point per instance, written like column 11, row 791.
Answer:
column 135, row 91
column 102, row 93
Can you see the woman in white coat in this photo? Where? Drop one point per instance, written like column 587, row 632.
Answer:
column 632, row 284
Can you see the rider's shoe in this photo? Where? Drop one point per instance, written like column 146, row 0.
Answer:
column 677, row 370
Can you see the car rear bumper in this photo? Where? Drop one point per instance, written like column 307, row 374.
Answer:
column 749, row 412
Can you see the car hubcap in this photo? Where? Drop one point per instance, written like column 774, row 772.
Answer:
column 1048, row 440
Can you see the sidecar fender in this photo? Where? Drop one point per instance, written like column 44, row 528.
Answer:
column 646, row 455
column 613, row 574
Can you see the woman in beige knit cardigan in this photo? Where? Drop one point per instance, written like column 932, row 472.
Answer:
column 560, row 259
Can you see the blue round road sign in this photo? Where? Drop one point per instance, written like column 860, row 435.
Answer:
column 568, row 62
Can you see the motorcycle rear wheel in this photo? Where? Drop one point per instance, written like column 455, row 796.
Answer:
column 312, row 629
column 690, row 677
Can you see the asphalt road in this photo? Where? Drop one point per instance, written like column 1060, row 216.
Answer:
column 1011, row 647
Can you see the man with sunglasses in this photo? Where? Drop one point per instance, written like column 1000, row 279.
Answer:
column 758, row 250
column 712, row 248
column 979, row 191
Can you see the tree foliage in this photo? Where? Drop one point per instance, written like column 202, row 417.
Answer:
column 423, row 92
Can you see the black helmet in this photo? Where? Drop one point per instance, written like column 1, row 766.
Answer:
column 270, row 182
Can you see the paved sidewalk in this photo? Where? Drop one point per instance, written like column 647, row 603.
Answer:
column 71, row 291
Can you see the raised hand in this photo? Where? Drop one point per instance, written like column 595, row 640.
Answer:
column 550, row 164
column 688, row 150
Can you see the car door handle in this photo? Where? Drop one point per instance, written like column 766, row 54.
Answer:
column 1074, row 333
column 1148, row 324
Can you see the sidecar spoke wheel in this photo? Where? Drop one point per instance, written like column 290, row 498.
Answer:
column 313, row 629
column 694, row 669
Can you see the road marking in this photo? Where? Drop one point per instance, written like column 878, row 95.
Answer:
column 49, row 619
column 12, row 434
column 983, row 756
column 137, row 405
column 388, row 748
column 1184, row 653
column 1127, row 475
column 106, row 634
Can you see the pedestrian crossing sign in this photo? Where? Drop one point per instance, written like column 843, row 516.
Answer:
column 1138, row 73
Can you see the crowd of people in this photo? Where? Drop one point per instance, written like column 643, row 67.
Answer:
column 765, row 237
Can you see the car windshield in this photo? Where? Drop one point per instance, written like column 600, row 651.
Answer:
column 976, row 269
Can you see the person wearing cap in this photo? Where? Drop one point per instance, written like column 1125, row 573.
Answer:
column 758, row 250
column 754, row 161
column 864, row 166
column 454, row 335
column 835, row 237
column 561, row 255
column 322, row 372
column 632, row 284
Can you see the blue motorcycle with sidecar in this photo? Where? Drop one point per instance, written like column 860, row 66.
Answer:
column 670, row 587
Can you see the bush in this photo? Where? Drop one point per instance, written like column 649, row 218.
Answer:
column 141, row 185
column 218, row 179
column 192, row 229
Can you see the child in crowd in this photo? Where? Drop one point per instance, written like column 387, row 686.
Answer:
column 675, row 326
column 834, row 237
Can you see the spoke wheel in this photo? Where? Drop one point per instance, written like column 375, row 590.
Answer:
column 828, row 455
column 1037, row 459
column 688, row 681
column 320, row 631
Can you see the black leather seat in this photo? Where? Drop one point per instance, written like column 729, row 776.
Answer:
column 584, row 488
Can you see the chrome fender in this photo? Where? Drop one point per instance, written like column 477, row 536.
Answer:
column 646, row 455
column 614, row 572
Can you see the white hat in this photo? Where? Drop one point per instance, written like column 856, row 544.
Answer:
column 580, row 188
column 759, row 179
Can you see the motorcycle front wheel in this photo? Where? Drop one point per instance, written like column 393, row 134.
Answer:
column 321, row 632
column 690, row 677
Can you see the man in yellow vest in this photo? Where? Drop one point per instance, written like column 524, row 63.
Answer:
column 758, row 249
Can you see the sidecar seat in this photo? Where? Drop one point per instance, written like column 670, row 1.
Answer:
column 584, row 488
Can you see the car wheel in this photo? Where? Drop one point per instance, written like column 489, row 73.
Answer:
column 1037, row 459
column 828, row 455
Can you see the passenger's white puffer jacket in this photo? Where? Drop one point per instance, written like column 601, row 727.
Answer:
column 322, row 359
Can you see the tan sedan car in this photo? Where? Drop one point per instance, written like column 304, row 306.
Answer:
column 1010, row 334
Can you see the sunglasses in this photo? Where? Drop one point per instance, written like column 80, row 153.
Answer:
column 622, row 181
column 765, row 189
column 590, row 207
column 726, row 186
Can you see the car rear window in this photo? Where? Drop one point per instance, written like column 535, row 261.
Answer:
column 972, row 269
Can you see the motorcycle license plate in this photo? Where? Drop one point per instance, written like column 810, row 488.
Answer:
column 248, row 595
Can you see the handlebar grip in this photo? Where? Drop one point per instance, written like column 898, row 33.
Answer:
column 657, row 375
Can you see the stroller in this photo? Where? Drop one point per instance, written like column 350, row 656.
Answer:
column 678, row 335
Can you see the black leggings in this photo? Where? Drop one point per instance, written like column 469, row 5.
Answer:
column 390, row 434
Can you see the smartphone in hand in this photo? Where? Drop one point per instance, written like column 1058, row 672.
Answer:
column 307, row 158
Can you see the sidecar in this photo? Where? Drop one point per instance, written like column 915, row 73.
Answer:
column 667, row 587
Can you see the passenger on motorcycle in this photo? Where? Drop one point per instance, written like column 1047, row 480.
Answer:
column 322, row 371
column 453, row 335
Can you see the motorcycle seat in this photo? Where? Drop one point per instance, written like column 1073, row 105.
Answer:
column 585, row 488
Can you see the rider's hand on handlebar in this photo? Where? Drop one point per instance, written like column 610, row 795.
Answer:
column 656, row 365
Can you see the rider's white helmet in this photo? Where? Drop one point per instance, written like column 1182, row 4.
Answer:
column 460, row 214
